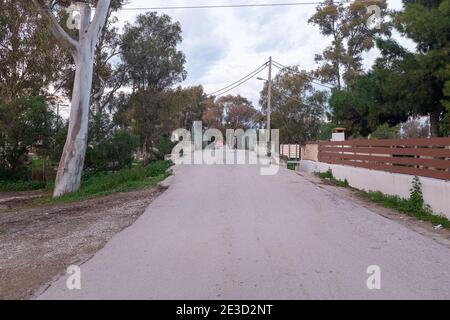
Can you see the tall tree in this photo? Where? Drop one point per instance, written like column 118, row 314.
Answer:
column 214, row 115
column 82, row 50
column 149, row 51
column 351, row 36
column 298, row 109
column 239, row 112
column 154, row 64
column 187, row 106
column 375, row 98
column 428, row 24
column 25, row 123
column 30, row 60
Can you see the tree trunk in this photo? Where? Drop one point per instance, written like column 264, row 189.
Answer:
column 434, row 123
column 71, row 164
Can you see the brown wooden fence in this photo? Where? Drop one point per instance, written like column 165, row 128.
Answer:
column 419, row 157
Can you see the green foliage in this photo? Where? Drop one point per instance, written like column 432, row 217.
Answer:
column 424, row 76
column 298, row 109
column 414, row 206
column 328, row 175
column 25, row 123
column 445, row 125
column 158, row 167
column 163, row 147
column 371, row 100
column 407, row 206
column 402, row 83
column 346, row 25
column 149, row 51
column 325, row 175
column 385, row 132
column 326, row 131
column 125, row 180
column 58, row 140
column 416, row 196
column 21, row 185
column 113, row 153
column 30, row 58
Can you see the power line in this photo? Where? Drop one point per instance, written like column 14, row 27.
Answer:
column 286, row 4
column 304, row 76
column 239, row 82
column 251, row 74
column 282, row 67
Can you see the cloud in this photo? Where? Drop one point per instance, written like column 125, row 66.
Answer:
column 222, row 45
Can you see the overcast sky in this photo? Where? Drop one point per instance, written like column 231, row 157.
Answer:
column 222, row 45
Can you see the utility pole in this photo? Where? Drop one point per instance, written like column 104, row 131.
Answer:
column 269, row 106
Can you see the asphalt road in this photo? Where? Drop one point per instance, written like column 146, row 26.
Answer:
column 226, row 232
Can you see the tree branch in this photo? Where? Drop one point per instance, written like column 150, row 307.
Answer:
column 101, row 12
column 59, row 33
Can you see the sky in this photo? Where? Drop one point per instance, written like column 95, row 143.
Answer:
column 224, row 44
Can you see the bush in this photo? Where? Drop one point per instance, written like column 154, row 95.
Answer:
column 158, row 167
column 114, row 153
column 102, row 183
column 384, row 131
column 414, row 206
column 163, row 147
column 25, row 123
column 328, row 175
column 21, row 185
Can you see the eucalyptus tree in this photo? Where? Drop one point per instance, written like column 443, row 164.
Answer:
column 298, row 108
column 82, row 49
column 30, row 60
column 153, row 66
column 351, row 34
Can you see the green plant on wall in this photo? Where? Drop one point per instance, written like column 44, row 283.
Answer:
column 416, row 196
column 328, row 175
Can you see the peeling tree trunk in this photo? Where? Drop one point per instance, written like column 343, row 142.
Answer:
column 72, row 161
column 71, row 164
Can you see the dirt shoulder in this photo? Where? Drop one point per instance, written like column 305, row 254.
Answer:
column 37, row 244
column 441, row 236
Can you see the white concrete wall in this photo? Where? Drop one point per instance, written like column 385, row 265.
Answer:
column 436, row 192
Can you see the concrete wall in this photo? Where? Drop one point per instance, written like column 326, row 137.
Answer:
column 436, row 192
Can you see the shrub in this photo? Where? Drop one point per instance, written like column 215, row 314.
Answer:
column 416, row 196
column 328, row 175
column 163, row 147
column 102, row 183
column 158, row 167
column 114, row 153
column 414, row 206
column 21, row 185
column 25, row 123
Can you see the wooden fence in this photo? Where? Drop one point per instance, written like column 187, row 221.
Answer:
column 291, row 151
column 419, row 157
